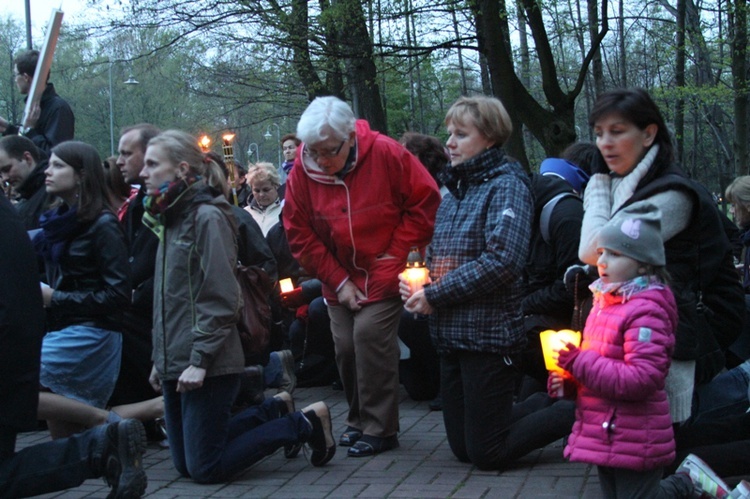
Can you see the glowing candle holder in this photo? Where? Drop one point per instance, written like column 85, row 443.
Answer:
column 286, row 285
column 417, row 275
column 205, row 143
column 552, row 343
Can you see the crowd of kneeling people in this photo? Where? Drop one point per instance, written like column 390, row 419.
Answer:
column 141, row 301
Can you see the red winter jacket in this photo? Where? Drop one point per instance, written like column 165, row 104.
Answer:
column 622, row 412
column 337, row 228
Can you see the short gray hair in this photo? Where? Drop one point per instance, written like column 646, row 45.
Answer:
column 323, row 116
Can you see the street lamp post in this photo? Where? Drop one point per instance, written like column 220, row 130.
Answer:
column 129, row 81
column 268, row 135
column 250, row 148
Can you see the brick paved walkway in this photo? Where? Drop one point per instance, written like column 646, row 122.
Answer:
column 423, row 467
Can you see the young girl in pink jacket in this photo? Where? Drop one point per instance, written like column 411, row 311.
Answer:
column 623, row 423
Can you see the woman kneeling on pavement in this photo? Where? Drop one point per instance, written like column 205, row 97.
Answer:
column 479, row 249
column 197, row 354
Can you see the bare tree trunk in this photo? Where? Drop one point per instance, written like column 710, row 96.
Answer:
column 461, row 69
column 523, row 43
column 679, row 119
column 553, row 124
column 420, row 100
column 361, row 72
column 739, row 81
column 597, row 69
column 410, row 59
column 623, row 50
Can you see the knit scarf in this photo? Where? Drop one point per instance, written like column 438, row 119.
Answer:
column 623, row 188
column 59, row 227
column 155, row 207
column 615, row 292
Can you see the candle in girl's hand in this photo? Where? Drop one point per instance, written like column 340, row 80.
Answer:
column 552, row 343
column 286, row 285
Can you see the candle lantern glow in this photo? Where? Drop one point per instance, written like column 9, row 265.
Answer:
column 417, row 275
column 553, row 342
column 205, row 143
column 286, row 285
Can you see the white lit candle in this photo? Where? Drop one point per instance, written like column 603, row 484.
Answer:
column 286, row 285
column 416, row 274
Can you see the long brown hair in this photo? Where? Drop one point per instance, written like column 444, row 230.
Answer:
column 636, row 106
column 94, row 195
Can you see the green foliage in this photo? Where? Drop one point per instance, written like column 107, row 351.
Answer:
column 239, row 65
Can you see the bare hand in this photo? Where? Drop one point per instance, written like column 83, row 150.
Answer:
column 403, row 287
column 3, row 125
column 154, row 380
column 554, row 383
column 191, row 379
column 46, row 294
column 349, row 296
column 418, row 304
column 33, row 116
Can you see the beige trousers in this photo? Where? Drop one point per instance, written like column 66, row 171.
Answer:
column 367, row 355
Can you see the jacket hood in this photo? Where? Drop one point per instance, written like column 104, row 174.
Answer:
column 195, row 195
column 364, row 141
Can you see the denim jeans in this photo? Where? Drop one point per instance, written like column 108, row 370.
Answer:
column 482, row 424
column 209, row 445
column 47, row 467
column 726, row 395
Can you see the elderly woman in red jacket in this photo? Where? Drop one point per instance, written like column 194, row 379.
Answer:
column 356, row 202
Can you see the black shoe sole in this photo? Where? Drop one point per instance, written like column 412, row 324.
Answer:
column 131, row 444
column 321, row 451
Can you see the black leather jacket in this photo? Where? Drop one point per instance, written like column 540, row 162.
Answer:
column 91, row 281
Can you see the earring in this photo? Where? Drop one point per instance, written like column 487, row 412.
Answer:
column 642, row 270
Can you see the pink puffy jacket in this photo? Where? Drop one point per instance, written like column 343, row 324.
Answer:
column 622, row 412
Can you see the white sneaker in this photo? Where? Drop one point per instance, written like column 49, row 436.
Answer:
column 705, row 481
column 741, row 491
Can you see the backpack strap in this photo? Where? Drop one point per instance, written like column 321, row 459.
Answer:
column 546, row 215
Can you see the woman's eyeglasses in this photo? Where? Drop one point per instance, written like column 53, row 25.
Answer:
column 330, row 153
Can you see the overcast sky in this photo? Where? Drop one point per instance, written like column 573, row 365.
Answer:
column 41, row 11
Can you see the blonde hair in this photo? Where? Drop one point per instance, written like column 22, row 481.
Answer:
column 738, row 193
column 260, row 172
column 487, row 114
column 181, row 147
